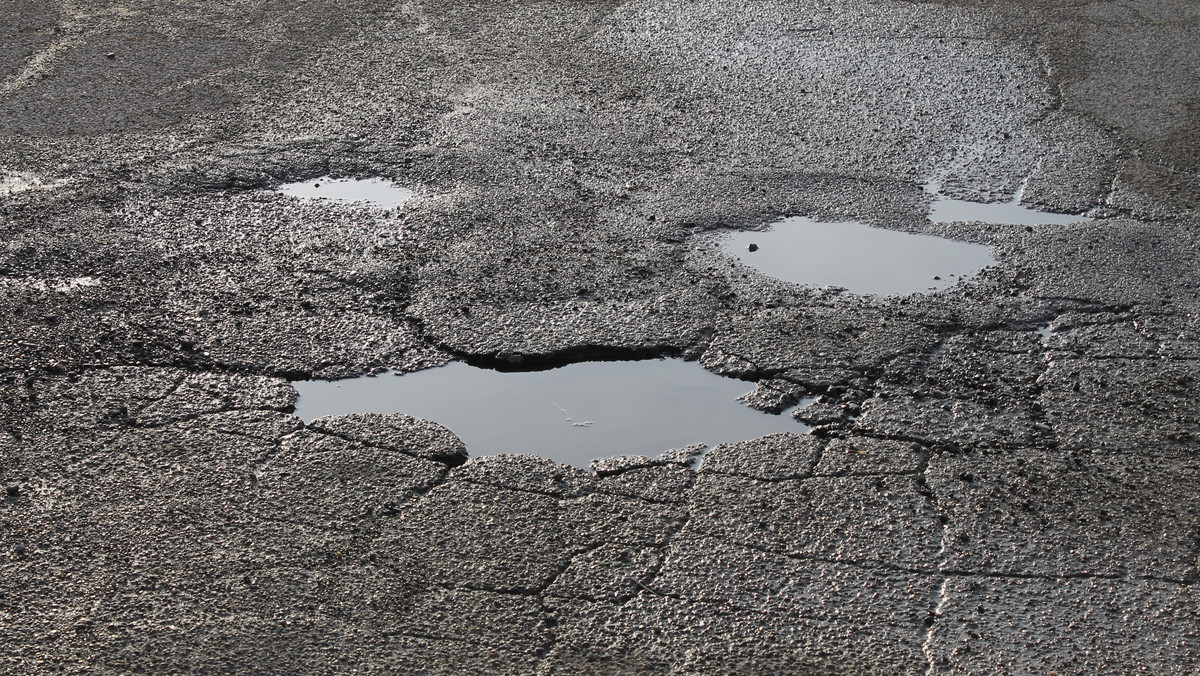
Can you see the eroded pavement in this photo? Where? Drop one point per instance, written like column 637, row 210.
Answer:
column 980, row 495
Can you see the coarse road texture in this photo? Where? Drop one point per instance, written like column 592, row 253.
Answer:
column 977, row 498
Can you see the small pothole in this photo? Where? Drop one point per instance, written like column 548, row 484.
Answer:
column 879, row 262
column 376, row 191
column 948, row 210
column 857, row 257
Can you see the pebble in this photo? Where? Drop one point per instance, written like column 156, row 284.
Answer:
column 13, row 490
column 752, row 247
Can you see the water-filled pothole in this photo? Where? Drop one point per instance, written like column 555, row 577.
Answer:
column 376, row 191
column 947, row 210
column 875, row 261
column 858, row 257
column 571, row 414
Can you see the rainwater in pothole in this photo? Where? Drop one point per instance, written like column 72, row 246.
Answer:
column 947, row 210
column 876, row 261
column 857, row 257
column 571, row 414
column 376, row 191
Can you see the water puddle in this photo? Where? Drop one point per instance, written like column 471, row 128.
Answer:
column 947, row 210
column 879, row 262
column 858, row 257
column 571, row 415
column 376, row 191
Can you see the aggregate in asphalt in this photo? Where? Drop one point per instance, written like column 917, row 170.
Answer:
column 977, row 496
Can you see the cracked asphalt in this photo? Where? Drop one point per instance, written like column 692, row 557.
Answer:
column 978, row 495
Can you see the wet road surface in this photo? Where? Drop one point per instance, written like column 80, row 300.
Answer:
column 977, row 495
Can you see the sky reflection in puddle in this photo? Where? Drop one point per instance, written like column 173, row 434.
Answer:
column 857, row 257
column 570, row 415
column 947, row 210
column 876, row 261
column 376, row 191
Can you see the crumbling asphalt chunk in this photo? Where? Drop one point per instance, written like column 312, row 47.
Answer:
column 712, row 592
column 1141, row 407
column 611, row 573
column 771, row 458
column 997, row 625
column 868, row 455
column 1076, row 513
column 889, row 523
column 397, row 432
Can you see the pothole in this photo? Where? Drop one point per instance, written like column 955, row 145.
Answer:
column 947, row 210
column 375, row 191
column 879, row 262
column 857, row 257
column 571, row 414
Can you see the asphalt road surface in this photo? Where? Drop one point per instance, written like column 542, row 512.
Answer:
column 979, row 495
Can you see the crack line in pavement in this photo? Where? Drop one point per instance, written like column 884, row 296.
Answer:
column 931, row 622
column 381, row 447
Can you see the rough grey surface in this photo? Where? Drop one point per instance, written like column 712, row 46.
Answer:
column 977, row 496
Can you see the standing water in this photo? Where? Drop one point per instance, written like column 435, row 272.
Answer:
column 875, row 261
column 376, row 191
column 571, row 414
column 857, row 257
column 947, row 210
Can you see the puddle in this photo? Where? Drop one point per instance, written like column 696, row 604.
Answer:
column 858, row 257
column 879, row 262
column 946, row 210
column 570, row 415
column 376, row 191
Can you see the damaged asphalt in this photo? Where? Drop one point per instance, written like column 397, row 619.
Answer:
column 979, row 495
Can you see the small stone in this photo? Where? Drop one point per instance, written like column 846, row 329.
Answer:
column 937, row 277
column 13, row 490
column 110, row 55
column 20, row 549
column 752, row 247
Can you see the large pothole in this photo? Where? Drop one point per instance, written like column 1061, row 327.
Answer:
column 572, row 414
